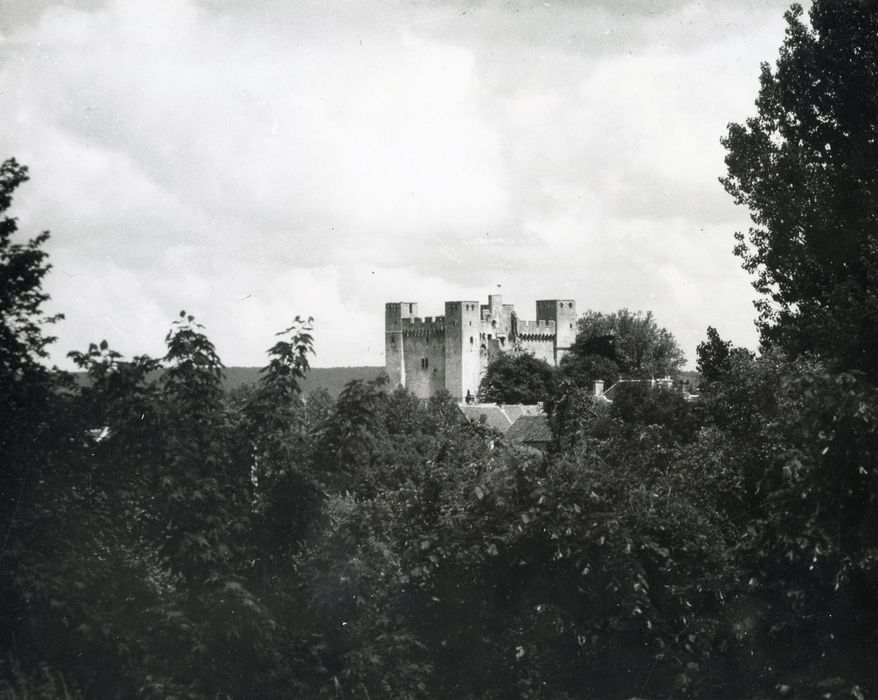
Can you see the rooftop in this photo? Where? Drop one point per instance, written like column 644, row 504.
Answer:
column 530, row 430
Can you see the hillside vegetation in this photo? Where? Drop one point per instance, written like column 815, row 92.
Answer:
column 331, row 379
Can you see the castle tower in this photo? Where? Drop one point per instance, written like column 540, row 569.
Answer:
column 563, row 313
column 495, row 305
column 462, row 327
column 394, row 349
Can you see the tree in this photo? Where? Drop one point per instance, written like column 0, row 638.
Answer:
column 571, row 412
column 35, row 436
column 22, row 269
column 275, row 430
column 715, row 356
column 806, row 166
column 25, row 384
column 517, row 379
column 637, row 406
column 622, row 343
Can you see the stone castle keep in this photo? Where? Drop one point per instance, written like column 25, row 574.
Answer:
column 452, row 352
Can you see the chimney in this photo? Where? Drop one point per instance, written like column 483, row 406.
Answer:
column 598, row 387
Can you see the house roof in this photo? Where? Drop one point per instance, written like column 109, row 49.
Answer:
column 665, row 383
column 611, row 392
column 530, row 429
column 516, row 410
column 489, row 413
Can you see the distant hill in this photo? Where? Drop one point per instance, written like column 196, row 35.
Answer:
column 333, row 379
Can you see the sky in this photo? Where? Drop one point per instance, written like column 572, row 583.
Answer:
column 249, row 161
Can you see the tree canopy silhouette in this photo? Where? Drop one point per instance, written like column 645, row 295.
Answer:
column 806, row 166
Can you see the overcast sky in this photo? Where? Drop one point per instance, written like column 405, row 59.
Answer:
column 252, row 160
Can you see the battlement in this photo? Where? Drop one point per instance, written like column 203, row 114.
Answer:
column 420, row 326
column 541, row 328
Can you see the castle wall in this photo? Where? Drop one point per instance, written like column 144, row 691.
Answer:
column 424, row 363
column 540, row 348
column 536, row 338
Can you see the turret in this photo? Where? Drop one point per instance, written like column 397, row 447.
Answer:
column 462, row 325
column 563, row 313
column 394, row 351
column 495, row 304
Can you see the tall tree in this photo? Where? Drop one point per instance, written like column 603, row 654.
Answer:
column 806, row 166
column 22, row 269
column 30, row 436
column 715, row 356
column 624, row 343
column 25, row 384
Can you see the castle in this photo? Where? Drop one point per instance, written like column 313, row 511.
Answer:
column 452, row 352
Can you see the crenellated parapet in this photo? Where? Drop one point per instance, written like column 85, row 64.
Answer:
column 535, row 329
column 429, row 325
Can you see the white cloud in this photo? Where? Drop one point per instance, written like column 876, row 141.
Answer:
column 253, row 161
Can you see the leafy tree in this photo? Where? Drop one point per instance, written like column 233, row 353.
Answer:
column 37, row 434
column 637, row 405
column 350, row 439
column 23, row 267
column 539, row 576
column 715, row 356
column 571, row 412
column 521, row 379
column 806, row 166
column 177, row 503
column 276, row 432
column 26, row 385
column 400, row 458
column 788, row 447
column 811, row 545
column 622, row 343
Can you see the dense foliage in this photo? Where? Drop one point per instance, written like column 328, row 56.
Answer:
column 620, row 344
column 607, row 347
column 517, row 379
column 162, row 538
column 715, row 356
